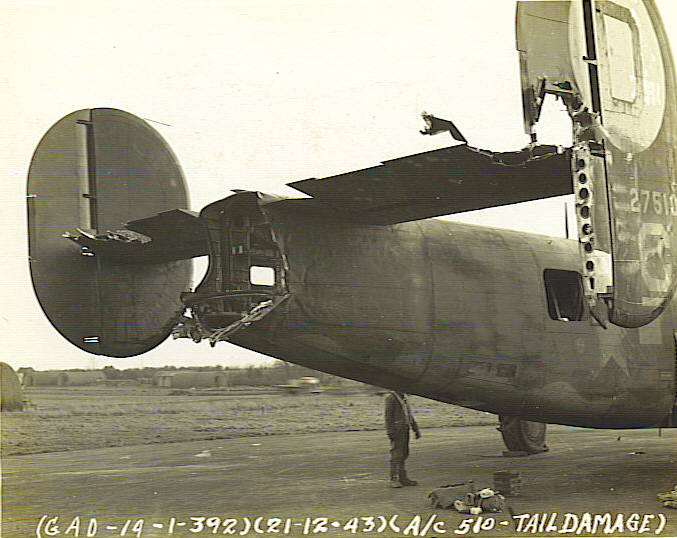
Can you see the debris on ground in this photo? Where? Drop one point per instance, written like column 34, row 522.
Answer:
column 444, row 496
column 464, row 499
column 508, row 483
column 669, row 498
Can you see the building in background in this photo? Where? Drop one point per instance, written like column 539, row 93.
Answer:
column 185, row 379
column 60, row 378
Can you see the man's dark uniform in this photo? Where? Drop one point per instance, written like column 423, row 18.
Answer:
column 398, row 421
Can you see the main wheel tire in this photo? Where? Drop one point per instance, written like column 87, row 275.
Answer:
column 523, row 435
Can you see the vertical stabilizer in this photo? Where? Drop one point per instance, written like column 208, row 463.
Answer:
column 610, row 63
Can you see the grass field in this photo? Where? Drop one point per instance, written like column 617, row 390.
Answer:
column 71, row 418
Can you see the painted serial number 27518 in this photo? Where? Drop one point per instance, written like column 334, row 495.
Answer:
column 656, row 202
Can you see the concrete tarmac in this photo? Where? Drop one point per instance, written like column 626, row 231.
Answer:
column 301, row 479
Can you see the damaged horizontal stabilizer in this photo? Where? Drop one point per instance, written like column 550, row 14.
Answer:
column 171, row 235
column 444, row 181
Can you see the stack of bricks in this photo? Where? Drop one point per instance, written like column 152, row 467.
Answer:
column 508, row 483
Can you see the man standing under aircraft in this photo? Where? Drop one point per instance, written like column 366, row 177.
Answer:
column 398, row 420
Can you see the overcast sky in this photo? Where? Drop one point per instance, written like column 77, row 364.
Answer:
column 253, row 94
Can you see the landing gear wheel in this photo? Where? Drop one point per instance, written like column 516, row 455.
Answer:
column 523, row 435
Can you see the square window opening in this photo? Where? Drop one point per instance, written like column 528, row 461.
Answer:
column 564, row 292
column 261, row 276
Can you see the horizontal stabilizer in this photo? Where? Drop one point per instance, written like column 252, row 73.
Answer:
column 444, row 181
column 158, row 225
column 177, row 234
column 170, row 235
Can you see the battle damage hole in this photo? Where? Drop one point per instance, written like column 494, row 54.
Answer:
column 564, row 291
column 262, row 276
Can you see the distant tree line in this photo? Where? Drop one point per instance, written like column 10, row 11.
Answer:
column 279, row 373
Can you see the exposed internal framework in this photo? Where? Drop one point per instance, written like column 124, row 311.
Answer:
column 246, row 277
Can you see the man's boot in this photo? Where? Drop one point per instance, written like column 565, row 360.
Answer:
column 395, row 476
column 404, row 480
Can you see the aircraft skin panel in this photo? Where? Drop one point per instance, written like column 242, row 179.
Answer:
column 137, row 173
column 425, row 306
column 542, row 32
column 384, row 322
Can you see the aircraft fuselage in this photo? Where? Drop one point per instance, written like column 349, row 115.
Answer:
column 485, row 318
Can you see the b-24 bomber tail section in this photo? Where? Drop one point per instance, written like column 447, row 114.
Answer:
column 359, row 281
